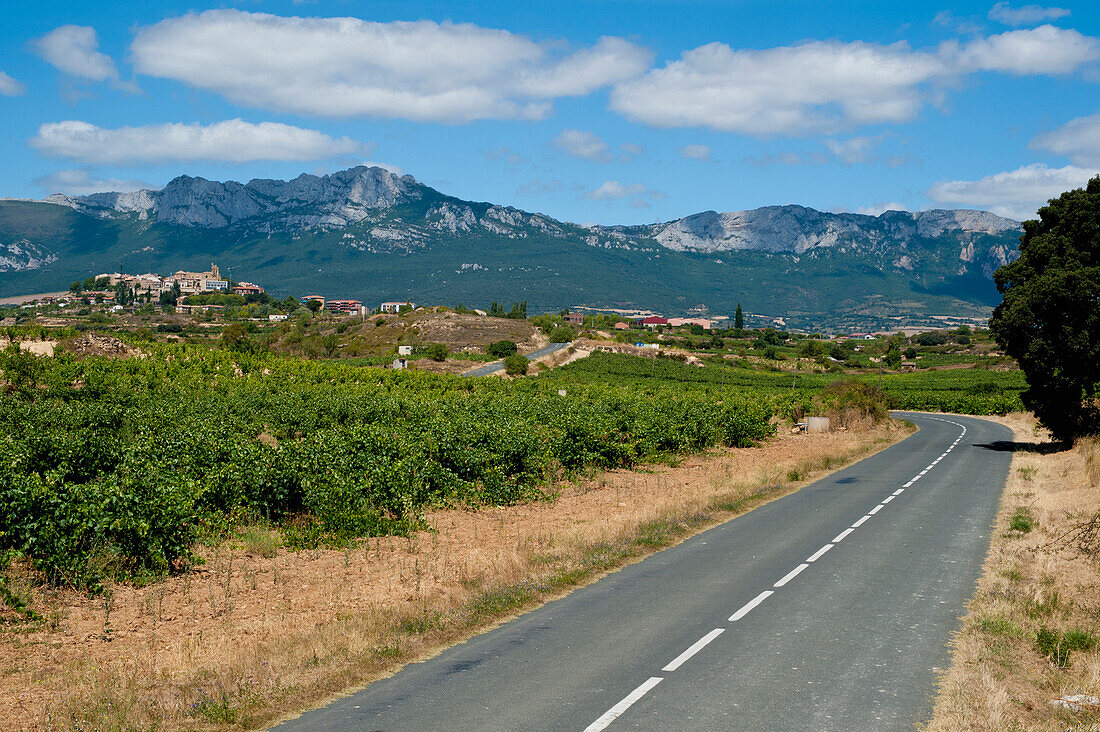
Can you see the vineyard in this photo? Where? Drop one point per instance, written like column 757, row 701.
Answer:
column 965, row 391
column 115, row 468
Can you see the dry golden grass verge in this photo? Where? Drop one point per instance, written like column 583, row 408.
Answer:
column 258, row 632
column 1031, row 635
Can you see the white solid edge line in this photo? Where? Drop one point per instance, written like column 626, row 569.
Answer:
column 862, row 521
column 842, row 535
column 791, row 575
column 888, row 499
column 693, row 649
column 817, row 555
column 616, row 711
column 750, row 605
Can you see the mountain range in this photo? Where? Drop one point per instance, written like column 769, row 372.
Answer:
column 374, row 235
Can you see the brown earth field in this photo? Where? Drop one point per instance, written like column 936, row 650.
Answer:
column 258, row 632
column 1028, row 654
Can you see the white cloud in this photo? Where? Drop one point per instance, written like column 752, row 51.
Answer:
column 81, row 182
column 584, row 145
column 9, row 86
column 1042, row 50
column 696, row 152
column 73, row 49
column 1017, row 194
column 877, row 209
column 829, row 86
column 537, row 186
column 855, row 149
column 1078, row 140
column 611, row 190
column 340, row 67
column 948, row 19
column 788, row 90
column 628, row 151
column 233, row 141
column 1002, row 12
column 395, row 169
column 506, row 154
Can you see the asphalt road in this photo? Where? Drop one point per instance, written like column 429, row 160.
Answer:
column 499, row 365
column 828, row 609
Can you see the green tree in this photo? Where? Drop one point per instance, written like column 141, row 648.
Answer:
column 314, row 305
column 516, row 365
column 1049, row 319
column 500, row 349
column 739, row 319
column 436, row 351
column 892, row 358
column 562, row 334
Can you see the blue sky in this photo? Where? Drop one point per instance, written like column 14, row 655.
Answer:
column 609, row 112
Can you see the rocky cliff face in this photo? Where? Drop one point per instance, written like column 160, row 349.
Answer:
column 797, row 230
column 306, row 202
column 898, row 240
column 22, row 255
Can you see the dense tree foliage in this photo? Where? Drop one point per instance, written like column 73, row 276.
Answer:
column 1049, row 320
column 500, row 349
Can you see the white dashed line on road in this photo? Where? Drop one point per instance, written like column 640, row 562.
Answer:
column 693, row 649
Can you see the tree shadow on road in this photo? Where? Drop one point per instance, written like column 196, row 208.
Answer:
column 1039, row 448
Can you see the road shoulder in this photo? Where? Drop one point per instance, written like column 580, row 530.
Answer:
column 1028, row 653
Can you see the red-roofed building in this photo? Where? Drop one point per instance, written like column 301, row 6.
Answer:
column 653, row 321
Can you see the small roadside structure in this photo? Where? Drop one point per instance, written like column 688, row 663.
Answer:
column 404, row 350
column 400, row 364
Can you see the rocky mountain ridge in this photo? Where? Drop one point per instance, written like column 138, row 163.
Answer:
column 335, row 200
column 370, row 234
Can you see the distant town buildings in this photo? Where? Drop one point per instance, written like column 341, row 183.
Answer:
column 189, row 283
column 353, row 307
column 246, row 288
column 395, row 307
column 573, row 318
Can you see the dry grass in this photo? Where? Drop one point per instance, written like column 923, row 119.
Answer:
column 249, row 636
column 1041, row 581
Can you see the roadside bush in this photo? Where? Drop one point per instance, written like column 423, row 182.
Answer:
column 516, row 365
column 1058, row 646
column 562, row 334
column 850, row 403
column 501, row 349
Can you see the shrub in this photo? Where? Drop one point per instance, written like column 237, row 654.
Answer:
column 1022, row 521
column 931, row 338
column 562, row 334
column 501, row 349
column 852, row 403
column 516, row 365
column 437, row 351
column 1058, row 646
